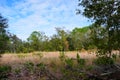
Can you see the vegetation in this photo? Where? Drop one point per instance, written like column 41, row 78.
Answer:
column 107, row 36
column 4, row 70
column 4, row 35
column 102, row 36
column 62, row 41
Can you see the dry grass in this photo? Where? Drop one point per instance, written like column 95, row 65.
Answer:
column 46, row 57
column 37, row 57
column 50, row 59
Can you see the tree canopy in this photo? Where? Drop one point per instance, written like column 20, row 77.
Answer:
column 3, row 34
column 105, row 13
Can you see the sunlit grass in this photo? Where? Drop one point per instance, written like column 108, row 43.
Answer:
column 46, row 57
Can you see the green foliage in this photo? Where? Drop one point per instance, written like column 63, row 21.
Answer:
column 36, row 40
column 17, row 70
column 62, row 56
column 80, row 37
column 15, row 44
column 4, row 38
column 114, row 56
column 89, row 67
column 41, row 66
column 73, row 72
column 107, row 38
column 4, row 71
column 80, row 30
column 104, row 61
column 62, row 36
column 29, row 66
column 56, row 43
column 81, row 62
column 26, row 48
column 78, row 56
column 69, row 62
column 99, row 36
column 73, row 75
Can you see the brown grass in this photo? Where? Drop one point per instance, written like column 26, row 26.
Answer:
column 47, row 57
column 51, row 59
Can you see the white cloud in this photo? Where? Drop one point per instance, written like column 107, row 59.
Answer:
column 26, row 16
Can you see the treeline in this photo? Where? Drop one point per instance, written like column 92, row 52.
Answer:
column 63, row 40
column 89, row 37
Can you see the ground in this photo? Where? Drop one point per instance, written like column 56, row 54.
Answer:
column 48, row 66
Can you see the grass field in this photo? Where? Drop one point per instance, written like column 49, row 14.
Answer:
column 47, row 65
column 35, row 57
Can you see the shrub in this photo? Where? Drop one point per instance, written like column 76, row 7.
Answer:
column 41, row 66
column 17, row 71
column 81, row 62
column 114, row 56
column 29, row 66
column 41, row 70
column 69, row 63
column 104, row 61
column 4, row 71
column 62, row 56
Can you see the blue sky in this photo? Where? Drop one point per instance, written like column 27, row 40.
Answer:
column 26, row 16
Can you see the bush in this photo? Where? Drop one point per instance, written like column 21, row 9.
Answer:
column 4, row 71
column 29, row 66
column 17, row 71
column 62, row 56
column 69, row 62
column 81, row 62
column 41, row 66
column 104, row 61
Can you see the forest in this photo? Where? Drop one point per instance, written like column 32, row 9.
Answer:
column 101, row 40
column 64, row 40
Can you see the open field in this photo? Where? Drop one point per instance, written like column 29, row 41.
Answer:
column 12, row 58
column 49, row 66
column 43, row 56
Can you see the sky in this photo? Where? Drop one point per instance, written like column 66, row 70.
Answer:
column 26, row 16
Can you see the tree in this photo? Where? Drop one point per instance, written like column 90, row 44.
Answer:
column 105, row 13
column 4, row 38
column 80, row 37
column 45, row 43
column 99, row 36
column 36, row 39
column 15, row 44
column 62, row 34
column 55, row 43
